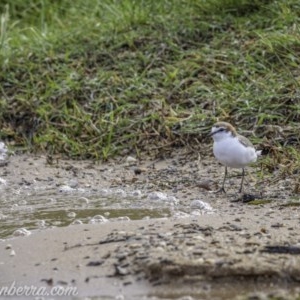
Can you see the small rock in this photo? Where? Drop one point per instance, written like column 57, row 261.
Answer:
column 121, row 271
column 199, row 204
column 130, row 160
column 66, row 189
column 138, row 171
column 73, row 183
column 160, row 249
column 2, row 181
column 205, row 184
column 8, row 246
column 95, row 263
column 136, row 193
column 134, row 246
column 157, row 196
column 162, row 244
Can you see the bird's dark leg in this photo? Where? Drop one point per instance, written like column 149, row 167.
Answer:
column 222, row 189
column 242, row 182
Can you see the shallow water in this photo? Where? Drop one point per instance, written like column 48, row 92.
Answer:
column 53, row 208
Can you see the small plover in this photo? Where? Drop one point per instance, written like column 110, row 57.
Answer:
column 232, row 150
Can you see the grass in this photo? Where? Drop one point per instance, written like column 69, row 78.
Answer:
column 95, row 79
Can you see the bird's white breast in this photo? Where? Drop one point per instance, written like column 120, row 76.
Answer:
column 230, row 152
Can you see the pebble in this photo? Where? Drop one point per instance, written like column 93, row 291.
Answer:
column 73, row 183
column 130, row 160
column 135, row 246
column 3, row 181
column 121, row 271
column 205, row 184
column 160, row 249
column 162, row 244
column 198, row 238
column 66, row 189
column 199, row 204
column 122, row 256
column 136, row 193
column 157, row 196
column 8, row 246
column 121, row 232
column 164, row 235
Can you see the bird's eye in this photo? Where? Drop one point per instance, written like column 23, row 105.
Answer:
column 221, row 129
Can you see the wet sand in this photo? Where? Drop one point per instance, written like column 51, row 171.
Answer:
column 237, row 252
column 212, row 257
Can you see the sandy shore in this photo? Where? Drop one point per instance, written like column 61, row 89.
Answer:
column 238, row 250
column 211, row 256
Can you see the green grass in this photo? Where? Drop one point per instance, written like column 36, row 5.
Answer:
column 98, row 78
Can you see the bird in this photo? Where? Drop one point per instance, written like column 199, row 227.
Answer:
column 232, row 150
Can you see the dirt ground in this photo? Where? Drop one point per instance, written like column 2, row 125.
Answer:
column 236, row 250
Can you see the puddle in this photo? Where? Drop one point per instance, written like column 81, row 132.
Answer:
column 45, row 209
